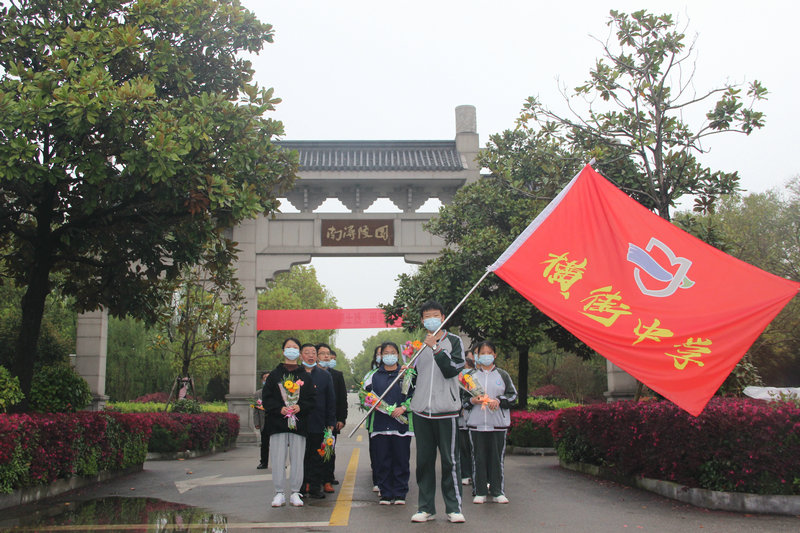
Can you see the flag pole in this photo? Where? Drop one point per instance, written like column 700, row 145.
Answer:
column 414, row 358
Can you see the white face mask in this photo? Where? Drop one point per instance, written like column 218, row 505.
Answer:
column 486, row 359
column 291, row 353
column 389, row 359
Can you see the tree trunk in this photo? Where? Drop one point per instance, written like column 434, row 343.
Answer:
column 522, row 385
column 38, row 287
column 32, row 312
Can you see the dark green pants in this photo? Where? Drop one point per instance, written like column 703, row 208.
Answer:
column 442, row 435
column 488, row 449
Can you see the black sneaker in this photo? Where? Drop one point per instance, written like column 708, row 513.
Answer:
column 335, row 482
column 261, row 466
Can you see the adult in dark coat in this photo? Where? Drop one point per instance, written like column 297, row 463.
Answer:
column 258, row 419
column 322, row 417
column 326, row 358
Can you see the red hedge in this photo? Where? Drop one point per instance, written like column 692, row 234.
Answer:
column 734, row 445
column 40, row 448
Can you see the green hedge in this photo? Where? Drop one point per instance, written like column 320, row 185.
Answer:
column 155, row 407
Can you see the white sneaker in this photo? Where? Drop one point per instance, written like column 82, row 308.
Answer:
column 422, row 516
column 399, row 502
column 385, row 502
column 479, row 499
column 456, row 518
column 501, row 499
column 296, row 500
column 376, row 488
column 279, row 500
column 465, row 480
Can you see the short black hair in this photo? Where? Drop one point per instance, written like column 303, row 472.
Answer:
column 323, row 345
column 297, row 342
column 486, row 343
column 431, row 305
column 306, row 345
column 333, row 353
column 389, row 343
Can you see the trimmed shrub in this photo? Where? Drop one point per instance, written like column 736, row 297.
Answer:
column 549, row 404
column 185, row 405
column 57, row 388
column 550, row 391
column 37, row 449
column 531, row 429
column 132, row 407
column 733, row 445
column 153, row 397
column 10, row 392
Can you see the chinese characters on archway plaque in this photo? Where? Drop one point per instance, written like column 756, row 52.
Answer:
column 343, row 232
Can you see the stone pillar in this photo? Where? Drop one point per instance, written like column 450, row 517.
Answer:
column 243, row 350
column 91, row 348
column 621, row 385
column 467, row 137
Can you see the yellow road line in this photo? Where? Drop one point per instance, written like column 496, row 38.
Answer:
column 341, row 512
column 359, row 438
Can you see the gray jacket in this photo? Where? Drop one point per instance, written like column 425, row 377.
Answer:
column 436, row 394
column 497, row 384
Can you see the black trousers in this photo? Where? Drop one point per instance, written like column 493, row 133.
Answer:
column 313, row 465
column 264, row 447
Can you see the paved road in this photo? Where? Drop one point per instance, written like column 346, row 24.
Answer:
column 543, row 496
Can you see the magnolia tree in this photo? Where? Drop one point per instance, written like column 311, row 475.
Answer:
column 131, row 137
column 636, row 98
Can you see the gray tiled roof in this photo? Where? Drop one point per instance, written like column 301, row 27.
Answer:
column 376, row 155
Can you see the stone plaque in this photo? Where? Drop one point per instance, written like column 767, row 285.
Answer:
column 343, row 232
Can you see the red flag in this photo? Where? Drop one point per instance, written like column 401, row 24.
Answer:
column 672, row 311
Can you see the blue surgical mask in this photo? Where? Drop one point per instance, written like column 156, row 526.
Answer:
column 323, row 364
column 390, row 359
column 486, row 359
column 332, row 363
column 309, row 365
column 432, row 324
column 291, row 353
column 378, row 359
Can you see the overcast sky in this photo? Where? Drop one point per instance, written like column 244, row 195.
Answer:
column 355, row 69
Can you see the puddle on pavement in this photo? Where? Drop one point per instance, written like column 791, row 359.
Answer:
column 103, row 514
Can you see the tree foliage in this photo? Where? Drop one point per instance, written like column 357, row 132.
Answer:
column 361, row 362
column 763, row 229
column 131, row 136
column 199, row 324
column 297, row 288
column 637, row 95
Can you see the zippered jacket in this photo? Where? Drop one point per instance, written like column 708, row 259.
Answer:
column 377, row 382
column 497, row 384
column 436, row 394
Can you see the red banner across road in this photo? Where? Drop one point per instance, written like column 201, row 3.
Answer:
column 301, row 319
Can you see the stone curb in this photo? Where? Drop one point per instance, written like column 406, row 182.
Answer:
column 60, row 486
column 188, row 454
column 708, row 499
column 519, row 450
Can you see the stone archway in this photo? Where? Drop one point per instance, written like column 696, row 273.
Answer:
column 356, row 173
